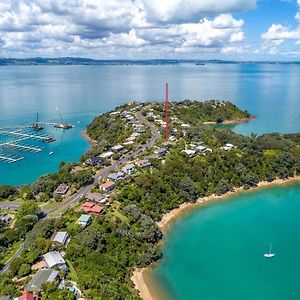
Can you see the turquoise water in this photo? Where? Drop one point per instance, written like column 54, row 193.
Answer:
column 216, row 252
column 81, row 92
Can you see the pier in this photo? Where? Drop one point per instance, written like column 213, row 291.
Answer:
column 25, row 139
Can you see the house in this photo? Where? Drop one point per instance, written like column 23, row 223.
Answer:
column 61, row 190
column 54, row 259
column 106, row 155
column 5, row 218
column 61, row 237
column 96, row 197
column 130, row 139
column 128, row 143
column 116, row 176
column 107, row 186
column 117, row 148
column 172, row 138
column 201, row 149
column 28, row 296
column 143, row 163
column 160, row 151
column 185, row 125
column 189, row 152
column 41, row 277
column 91, row 208
column 84, row 220
column 5, row 297
column 129, row 169
column 94, row 161
column 227, row 147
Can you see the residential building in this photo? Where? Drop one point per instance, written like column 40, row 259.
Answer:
column 128, row 143
column 106, row 155
column 160, row 151
column 91, row 208
column 129, row 169
column 28, row 296
column 84, row 220
column 97, row 197
column 108, row 186
column 5, row 218
column 201, row 149
column 61, row 237
column 5, row 297
column 189, row 152
column 145, row 163
column 227, row 147
column 116, row 176
column 117, row 148
column 54, row 259
column 61, row 190
column 94, row 161
column 41, row 277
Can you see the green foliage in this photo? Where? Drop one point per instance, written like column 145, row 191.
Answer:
column 28, row 207
column 6, row 191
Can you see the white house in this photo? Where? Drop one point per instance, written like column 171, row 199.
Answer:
column 129, row 169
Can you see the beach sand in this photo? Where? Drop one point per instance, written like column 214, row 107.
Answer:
column 86, row 136
column 145, row 290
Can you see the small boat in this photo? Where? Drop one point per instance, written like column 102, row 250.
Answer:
column 50, row 153
column 269, row 254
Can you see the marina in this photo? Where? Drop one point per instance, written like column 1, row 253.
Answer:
column 25, row 138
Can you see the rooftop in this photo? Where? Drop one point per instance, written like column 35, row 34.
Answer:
column 42, row 276
column 53, row 259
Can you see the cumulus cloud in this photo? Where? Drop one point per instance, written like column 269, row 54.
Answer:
column 92, row 27
column 278, row 34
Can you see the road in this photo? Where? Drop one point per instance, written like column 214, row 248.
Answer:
column 75, row 198
column 9, row 205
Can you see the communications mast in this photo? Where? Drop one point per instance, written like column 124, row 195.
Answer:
column 167, row 113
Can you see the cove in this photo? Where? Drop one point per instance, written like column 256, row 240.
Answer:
column 216, row 251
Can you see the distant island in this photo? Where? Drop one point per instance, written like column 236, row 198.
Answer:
column 57, row 61
column 93, row 226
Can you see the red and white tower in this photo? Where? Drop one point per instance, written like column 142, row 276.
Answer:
column 167, row 112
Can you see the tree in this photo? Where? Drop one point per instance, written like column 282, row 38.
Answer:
column 28, row 207
column 222, row 187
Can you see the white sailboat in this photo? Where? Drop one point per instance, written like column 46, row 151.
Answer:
column 269, row 254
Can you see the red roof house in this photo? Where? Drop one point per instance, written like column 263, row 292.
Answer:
column 28, row 296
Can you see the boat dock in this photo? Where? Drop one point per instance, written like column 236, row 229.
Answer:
column 25, row 139
column 21, row 133
column 9, row 158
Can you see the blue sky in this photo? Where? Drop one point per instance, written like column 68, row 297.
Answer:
column 141, row 29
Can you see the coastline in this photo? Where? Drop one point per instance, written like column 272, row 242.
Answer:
column 87, row 137
column 231, row 122
column 146, row 291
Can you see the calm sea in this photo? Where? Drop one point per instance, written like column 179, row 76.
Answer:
column 216, row 252
column 271, row 92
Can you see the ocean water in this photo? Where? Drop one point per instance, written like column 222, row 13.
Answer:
column 216, row 252
column 81, row 92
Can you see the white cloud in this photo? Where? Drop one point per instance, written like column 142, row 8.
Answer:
column 177, row 11
column 91, row 27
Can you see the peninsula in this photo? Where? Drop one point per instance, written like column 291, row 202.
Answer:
column 92, row 224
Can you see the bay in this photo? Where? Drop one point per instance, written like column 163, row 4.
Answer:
column 81, row 92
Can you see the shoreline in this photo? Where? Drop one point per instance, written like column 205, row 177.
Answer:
column 138, row 278
column 231, row 122
column 87, row 137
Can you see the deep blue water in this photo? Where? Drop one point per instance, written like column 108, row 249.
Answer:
column 81, row 92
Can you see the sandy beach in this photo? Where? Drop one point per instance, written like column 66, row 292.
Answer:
column 138, row 275
column 86, row 136
column 228, row 122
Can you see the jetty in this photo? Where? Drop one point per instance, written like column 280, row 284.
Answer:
column 26, row 138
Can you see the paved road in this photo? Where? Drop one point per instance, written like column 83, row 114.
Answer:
column 9, row 205
column 75, row 198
